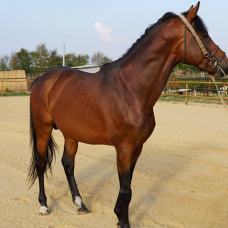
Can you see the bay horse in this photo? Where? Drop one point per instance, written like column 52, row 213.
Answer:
column 115, row 105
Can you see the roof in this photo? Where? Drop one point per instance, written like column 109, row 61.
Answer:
column 86, row 66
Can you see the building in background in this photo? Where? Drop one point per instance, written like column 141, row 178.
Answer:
column 14, row 80
column 88, row 68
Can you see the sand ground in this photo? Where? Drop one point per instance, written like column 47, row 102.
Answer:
column 181, row 178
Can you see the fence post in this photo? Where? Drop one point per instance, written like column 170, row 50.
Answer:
column 2, row 85
column 209, row 91
column 186, row 97
column 224, row 91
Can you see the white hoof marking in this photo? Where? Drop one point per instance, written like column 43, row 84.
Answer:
column 43, row 210
column 78, row 201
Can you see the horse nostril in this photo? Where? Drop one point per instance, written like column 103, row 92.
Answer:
column 224, row 65
column 226, row 70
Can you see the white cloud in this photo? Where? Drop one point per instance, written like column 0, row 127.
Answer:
column 106, row 34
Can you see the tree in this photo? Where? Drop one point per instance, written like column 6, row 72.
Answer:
column 4, row 63
column 72, row 60
column 105, row 60
column 54, row 59
column 20, row 61
column 25, row 60
column 39, row 59
column 14, row 62
column 98, row 58
column 82, row 60
column 185, row 67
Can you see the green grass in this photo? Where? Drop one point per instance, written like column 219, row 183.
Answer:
column 15, row 94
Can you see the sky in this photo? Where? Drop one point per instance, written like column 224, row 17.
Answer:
column 87, row 26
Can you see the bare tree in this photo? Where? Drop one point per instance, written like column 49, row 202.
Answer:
column 98, row 58
column 4, row 63
column 14, row 63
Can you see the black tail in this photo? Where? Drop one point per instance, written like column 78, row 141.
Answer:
column 52, row 146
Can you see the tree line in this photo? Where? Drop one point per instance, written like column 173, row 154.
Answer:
column 41, row 60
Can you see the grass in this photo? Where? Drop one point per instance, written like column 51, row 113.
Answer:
column 15, row 94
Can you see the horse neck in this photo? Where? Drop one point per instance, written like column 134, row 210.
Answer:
column 147, row 68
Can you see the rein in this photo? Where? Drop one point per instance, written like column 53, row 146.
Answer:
column 214, row 61
column 220, row 97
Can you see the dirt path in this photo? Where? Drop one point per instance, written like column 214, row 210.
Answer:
column 181, row 179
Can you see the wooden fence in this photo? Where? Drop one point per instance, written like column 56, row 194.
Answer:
column 14, row 79
column 196, row 89
column 14, row 88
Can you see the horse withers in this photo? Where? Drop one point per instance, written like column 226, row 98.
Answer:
column 115, row 105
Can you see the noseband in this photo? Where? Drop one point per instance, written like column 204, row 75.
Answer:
column 213, row 59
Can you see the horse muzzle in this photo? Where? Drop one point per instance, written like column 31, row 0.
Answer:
column 221, row 68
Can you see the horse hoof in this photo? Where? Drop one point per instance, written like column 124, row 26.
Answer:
column 122, row 226
column 82, row 211
column 44, row 210
column 118, row 225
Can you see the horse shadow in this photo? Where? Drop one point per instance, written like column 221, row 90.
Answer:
column 140, row 208
column 90, row 173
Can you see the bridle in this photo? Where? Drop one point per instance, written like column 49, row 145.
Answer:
column 211, row 58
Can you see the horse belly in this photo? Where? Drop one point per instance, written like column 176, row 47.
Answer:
column 90, row 133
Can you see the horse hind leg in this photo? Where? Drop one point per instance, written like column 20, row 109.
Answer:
column 43, row 151
column 43, row 160
column 70, row 150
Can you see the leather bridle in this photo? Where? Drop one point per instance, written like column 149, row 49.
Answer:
column 211, row 58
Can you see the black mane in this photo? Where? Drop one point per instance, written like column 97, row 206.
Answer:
column 199, row 23
column 166, row 17
column 199, row 26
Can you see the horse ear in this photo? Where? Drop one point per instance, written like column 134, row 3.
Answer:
column 190, row 8
column 192, row 12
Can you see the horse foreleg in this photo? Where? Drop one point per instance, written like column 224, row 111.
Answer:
column 118, row 206
column 70, row 150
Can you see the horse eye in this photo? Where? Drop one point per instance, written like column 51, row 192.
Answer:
column 205, row 36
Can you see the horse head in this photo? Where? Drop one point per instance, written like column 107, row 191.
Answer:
column 197, row 47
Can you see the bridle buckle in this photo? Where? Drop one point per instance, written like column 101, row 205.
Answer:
column 213, row 62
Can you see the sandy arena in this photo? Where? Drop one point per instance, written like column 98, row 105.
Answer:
column 181, row 178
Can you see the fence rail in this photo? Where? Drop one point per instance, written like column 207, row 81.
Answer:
column 184, row 89
column 15, row 87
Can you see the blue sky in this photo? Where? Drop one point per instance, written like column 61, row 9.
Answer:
column 90, row 26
